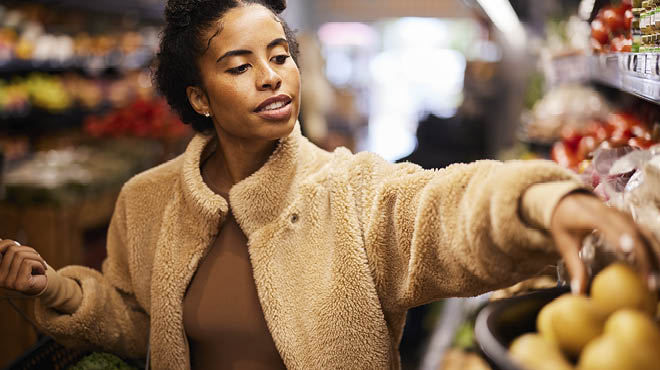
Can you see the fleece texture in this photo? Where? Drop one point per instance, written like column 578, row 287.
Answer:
column 341, row 246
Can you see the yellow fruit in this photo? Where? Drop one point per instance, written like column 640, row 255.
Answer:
column 602, row 353
column 633, row 327
column 535, row 353
column 611, row 352
column 544, row 323
column 618, row 286
column 575, row 321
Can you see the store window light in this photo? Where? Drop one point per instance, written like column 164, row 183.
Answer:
column 347, row 34
column 343, row 42
column 503, row 16
column 408, row 83
column 405, row 68
column 417, row 72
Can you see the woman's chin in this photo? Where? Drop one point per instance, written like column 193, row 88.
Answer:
column 277, row 130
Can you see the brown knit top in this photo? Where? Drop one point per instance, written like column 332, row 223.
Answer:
column 222, row 315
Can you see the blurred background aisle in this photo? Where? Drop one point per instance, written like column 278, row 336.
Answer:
column 433, row 82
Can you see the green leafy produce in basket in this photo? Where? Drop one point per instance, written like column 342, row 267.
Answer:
column 102, row 361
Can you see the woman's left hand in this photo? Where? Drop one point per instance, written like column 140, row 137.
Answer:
column 578, row 214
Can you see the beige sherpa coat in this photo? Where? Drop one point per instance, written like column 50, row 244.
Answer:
column 341, row 245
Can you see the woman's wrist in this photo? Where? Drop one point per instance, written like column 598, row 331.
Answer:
column 61, row 293
column 539, row 202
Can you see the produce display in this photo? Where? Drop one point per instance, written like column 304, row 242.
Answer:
column 57, row 93
column 649, row 25
column 40, row 34
column 57, row 66
column 564, row 106
column 612, row 29
column 66, row 175
column 101, row 360
column 619, row 129
column 613, row 328
column 142, row 118
column 38, row 90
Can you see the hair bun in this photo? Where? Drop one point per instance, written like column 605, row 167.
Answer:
column 277, row 5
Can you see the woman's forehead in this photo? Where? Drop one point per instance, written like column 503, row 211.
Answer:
column 245, row 26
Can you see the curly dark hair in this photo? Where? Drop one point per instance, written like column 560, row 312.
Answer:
column 181, row 45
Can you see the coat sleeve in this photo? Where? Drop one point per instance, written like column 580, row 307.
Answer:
column 458, row 231
column 108, row 317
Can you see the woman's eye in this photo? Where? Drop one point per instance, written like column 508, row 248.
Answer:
column 238, row 70
column 281, row 59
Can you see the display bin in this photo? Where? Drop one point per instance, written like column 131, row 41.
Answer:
column 500, row 322
column 47, row 354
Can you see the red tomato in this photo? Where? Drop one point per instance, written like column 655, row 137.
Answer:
column 600, row 32
column 618, row 43
column 640, row 129
column 599, row 130
column 627, row 19
column 587, row 145
column 613, row 21
column 622, row 120
column 641, row 143
column 596, row 46
column 623, row 7
column 620, row 137
column 564, row 156
column 570, row 137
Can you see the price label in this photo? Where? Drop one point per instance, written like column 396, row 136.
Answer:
column 650, row 64
column 638, row 63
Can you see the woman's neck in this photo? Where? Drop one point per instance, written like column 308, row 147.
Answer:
column 234, row 160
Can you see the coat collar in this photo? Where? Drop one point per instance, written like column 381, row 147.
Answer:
column 254, row 205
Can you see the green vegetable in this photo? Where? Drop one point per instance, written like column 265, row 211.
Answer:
column 102, row 361
column 465, row 336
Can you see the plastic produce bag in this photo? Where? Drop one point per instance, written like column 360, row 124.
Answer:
column 629, row 180
column 641, row 195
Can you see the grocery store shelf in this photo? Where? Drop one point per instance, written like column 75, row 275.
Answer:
column 90, row 66
column 150, row 10
column 634, row 73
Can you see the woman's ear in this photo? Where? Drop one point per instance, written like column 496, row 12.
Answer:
column 198, row 99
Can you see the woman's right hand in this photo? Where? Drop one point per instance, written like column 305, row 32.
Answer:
column 21, row 268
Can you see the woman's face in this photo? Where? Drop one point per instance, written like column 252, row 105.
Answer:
column 251, row 85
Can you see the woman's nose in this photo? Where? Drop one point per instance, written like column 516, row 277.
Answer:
column 269, row 79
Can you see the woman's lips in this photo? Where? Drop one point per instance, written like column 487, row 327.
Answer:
column 277, row 114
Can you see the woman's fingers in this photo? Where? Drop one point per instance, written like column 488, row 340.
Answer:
column 653, row 245
column 628, row 239
column 9, row 246
column 17, row 266
column 569, row 247
column 22, row 254
column 31, row 278
column 4, row 245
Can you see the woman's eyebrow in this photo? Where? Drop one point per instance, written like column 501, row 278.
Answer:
column 232, row 53
column 272, row 44
column 277, row 41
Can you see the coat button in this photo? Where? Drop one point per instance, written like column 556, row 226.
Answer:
column 294, row 218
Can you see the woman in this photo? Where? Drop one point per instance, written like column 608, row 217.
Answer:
column 255, row 249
